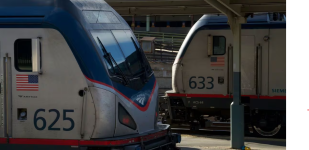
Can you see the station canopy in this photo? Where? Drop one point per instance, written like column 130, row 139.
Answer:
column 195, row 7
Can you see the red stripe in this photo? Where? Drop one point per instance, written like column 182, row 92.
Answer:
column 27, row 89
column 82, row 142
column 176, row 95
column 216, row 65
column 113, row 143
column 3, row 140
column 272, row 97
column 224, row 96
column 27, row 85
column 43, row 142
column 208, row 95
column 139, row 107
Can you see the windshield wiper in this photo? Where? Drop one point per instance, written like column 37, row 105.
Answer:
column 111, row 60
column 106, row 55
column 143, row 59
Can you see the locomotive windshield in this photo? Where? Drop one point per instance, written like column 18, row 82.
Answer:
column 128, row 57
column 130, row 52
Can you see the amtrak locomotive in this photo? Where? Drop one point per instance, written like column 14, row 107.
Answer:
column 73, row 76
column 202, row 78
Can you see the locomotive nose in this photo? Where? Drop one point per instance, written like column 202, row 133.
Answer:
column 105, row 112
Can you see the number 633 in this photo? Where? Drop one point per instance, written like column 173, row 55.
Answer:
column 202, row 85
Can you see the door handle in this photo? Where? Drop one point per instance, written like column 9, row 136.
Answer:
column 82, row 130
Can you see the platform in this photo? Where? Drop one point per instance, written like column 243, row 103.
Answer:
column 213, row 141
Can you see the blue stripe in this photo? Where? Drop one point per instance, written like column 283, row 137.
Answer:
column 213, row 59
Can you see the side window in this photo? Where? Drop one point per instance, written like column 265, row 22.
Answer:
column 111, row 47
column 219, row 45
column 129, row 50
column 23, row 55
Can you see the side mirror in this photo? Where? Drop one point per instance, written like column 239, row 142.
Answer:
column 36, row 55
column 210, row 45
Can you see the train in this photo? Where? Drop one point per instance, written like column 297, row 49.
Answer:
column 73, row 76
column 202, row 76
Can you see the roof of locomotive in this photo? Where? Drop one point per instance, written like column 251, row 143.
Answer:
column 42, row 10
column 253, row 21
column 257, row 18
column 214, row 22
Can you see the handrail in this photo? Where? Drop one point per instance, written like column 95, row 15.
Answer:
column 167, row 45
column 161, row 36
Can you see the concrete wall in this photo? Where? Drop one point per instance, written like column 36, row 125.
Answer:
column 163, row 74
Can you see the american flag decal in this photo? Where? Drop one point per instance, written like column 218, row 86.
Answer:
column 217, row 61
column 27, row 82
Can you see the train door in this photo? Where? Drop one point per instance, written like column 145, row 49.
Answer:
column 248, row 69
column 2, row 108
column 40, row 81
column 248, row 66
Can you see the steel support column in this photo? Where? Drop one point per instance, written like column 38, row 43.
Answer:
column 192, row 20
column 237, row 109
column 133, row 22
column 235, row 19
column 147, row 23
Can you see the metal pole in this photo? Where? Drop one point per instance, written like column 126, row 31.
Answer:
column 192, row 20
column 147, row 23
column 237, row 109
column 133, row 22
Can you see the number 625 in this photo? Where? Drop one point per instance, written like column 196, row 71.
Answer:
column 50, row 127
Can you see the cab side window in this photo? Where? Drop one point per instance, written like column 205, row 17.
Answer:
column 219, row 45
column 23, row 55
